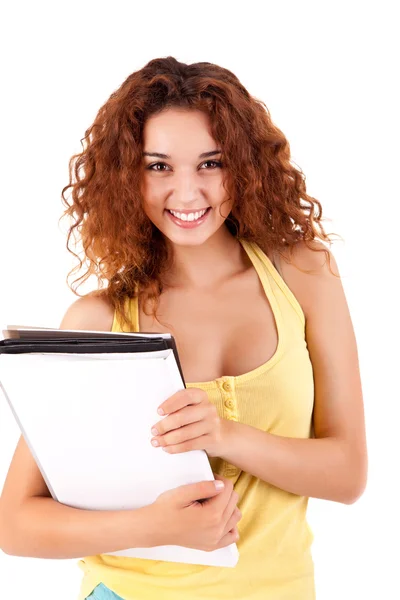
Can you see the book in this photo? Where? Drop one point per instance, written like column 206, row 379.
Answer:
column 85, row 402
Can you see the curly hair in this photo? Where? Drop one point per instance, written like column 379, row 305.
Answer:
column 121, row 245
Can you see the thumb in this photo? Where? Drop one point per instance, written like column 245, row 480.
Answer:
column 199, row 491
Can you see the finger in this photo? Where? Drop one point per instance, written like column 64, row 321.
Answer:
column 226, row 540
column 195, row 444
column 230, row 507
column 233, row 521
column 186, row 415
column 227, row 484
column 221, row 501
column 194, row 492
column 181, row 399
column 183, row 434
column 221, row 477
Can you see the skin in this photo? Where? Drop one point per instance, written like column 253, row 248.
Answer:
column 33, row 524
column 208, row 262
column 187, row 182
column 210, row 282
column 212, row 277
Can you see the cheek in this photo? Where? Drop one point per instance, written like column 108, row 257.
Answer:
column 155, row 202
column 153, row 198
column 154, row 193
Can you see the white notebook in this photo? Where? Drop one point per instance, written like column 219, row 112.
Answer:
column 86, row 418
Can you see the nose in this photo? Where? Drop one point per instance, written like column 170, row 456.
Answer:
column 185, row 189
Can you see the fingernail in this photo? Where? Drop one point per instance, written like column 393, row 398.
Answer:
column 160, row 411
column 155, row 442
column 154, row 431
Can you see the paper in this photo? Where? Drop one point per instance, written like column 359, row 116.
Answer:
column 87, row 419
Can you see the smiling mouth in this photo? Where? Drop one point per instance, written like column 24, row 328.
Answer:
column 189, row 216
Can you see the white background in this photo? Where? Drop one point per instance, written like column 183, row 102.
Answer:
column 327, row 72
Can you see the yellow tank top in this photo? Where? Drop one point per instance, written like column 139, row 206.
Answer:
column 275, row 539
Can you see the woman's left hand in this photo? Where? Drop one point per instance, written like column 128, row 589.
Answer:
column 192, row 423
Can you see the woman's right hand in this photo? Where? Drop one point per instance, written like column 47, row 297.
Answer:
column 208, row 524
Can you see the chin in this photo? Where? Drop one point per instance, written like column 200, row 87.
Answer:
column 187, row 240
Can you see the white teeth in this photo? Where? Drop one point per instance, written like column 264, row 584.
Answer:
column 190, row 216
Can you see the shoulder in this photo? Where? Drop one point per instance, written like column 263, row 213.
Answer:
column 338, row 410
column 307, row 271
column 90, row 312
column 313, row 256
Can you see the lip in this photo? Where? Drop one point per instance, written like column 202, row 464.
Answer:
column 187, row 211
column 188, row 224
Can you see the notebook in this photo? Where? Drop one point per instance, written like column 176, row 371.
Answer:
column 85, row 402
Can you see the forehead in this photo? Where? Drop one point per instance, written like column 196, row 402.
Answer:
column 177, row 130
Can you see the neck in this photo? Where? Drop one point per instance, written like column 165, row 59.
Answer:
column 207, row 265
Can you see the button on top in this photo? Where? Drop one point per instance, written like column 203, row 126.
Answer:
column 229, row 403
column 227, row 386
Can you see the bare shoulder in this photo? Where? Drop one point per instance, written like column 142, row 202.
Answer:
column 93, row 313
column 312, row 257
column 307, row 272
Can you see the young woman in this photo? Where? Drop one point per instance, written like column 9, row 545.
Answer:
column 189, row 207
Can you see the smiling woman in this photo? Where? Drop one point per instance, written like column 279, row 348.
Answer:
column 185, row 193
column 269, row 357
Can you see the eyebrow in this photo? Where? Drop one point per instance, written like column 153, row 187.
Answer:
column 203, row 155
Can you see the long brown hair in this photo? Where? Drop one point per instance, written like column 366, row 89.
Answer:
column 120, row 243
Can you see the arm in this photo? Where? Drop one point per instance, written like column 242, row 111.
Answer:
column 334, row 465
column 33, row 524
column 320, row 468
column 44, row 528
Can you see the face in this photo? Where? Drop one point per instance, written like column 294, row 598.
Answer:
column 187, row 180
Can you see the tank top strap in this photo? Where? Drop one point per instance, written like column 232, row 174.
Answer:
column 276, row 278
column 131, row 305
column 268, row 275
column 134, row 310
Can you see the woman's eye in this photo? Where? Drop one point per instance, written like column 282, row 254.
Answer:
column 217, row 163
column 150, row 167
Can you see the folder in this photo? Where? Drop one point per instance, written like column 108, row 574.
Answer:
column 85, row 402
